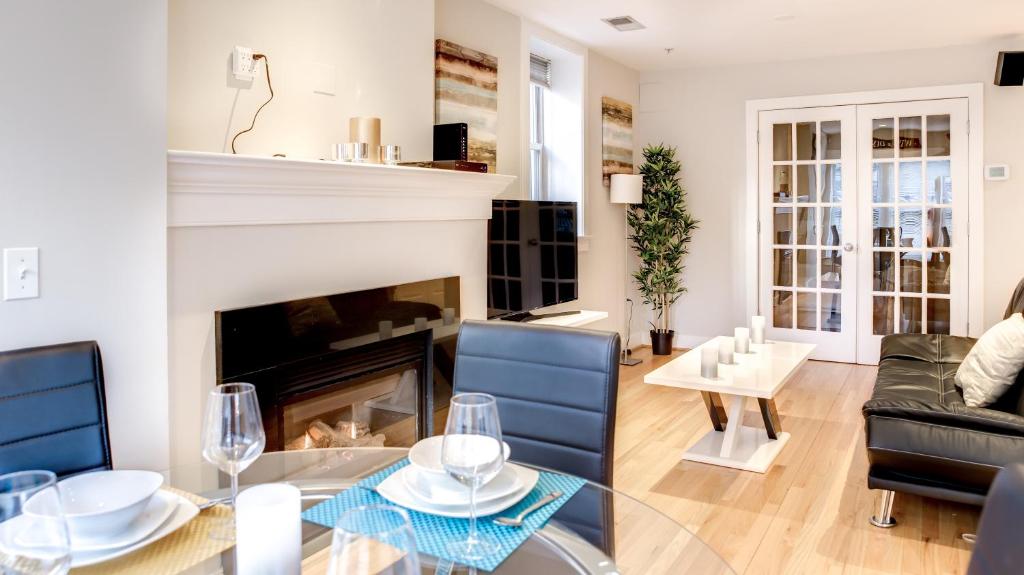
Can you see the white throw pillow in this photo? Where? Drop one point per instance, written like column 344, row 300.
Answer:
column 993, row 363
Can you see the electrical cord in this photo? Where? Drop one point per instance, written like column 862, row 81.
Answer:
column 270, row 86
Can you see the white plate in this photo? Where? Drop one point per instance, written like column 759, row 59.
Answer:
column 159, row 509
column 394, row 490
column 426, row 453
column 184, row 512
column 445, row 490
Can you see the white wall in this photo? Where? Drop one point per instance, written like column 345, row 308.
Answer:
column 480, row 26
column 602, row 264
column 701, row 111
column 382, row 52
column 82, row 177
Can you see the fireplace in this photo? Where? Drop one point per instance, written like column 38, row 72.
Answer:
column 366, row 368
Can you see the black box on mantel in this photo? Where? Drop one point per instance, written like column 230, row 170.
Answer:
column 451, row 142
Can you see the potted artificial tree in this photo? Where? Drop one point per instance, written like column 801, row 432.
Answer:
column 660, row 229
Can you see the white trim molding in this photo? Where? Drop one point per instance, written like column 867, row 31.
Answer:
column 208, row 189
column 974, row 93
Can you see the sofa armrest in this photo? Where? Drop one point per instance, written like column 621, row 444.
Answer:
column 930, row 348
column 955, row 415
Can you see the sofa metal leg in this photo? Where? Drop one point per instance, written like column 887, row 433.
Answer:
column 883, row 518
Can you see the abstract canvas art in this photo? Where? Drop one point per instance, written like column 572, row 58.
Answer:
column 616, row 138
column 466, row 90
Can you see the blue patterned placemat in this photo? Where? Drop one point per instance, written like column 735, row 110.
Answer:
column 433, row 532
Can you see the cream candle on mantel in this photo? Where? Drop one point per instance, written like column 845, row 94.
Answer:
column 726, row 346
column 742, row 335
column 757, row 324
column 709, row 361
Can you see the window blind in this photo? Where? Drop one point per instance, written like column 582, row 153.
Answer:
column 540, row 70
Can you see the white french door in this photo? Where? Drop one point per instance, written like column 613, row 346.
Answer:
column 912, row 165
column 808, row 214
column 862, row 224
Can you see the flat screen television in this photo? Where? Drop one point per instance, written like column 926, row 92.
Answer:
column 532, row 258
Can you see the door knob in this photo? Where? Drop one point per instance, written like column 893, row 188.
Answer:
column 847, row 247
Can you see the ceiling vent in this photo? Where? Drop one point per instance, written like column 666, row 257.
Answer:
column 624, row 23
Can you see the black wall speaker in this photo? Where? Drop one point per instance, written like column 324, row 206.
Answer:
column 1010, row 69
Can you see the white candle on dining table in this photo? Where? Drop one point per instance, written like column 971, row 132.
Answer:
column 726, row 346
column 268, row 530
column 709, row 361
column 757, row 324
column 742, row 335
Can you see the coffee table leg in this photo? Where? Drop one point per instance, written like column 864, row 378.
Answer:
column 770, row 414
column 716, row 410
column 737, row 404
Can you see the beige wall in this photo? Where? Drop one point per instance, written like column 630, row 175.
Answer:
column 382, row 52
column 83, row 178
column 702, row 112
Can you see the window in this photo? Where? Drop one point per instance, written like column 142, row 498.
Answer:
column 540, row 82
column 538, row 190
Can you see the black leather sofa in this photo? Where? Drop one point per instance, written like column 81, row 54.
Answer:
column 922, row 438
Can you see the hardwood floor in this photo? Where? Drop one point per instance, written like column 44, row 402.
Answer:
column 809, row 513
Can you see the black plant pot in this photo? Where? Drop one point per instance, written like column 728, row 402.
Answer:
column 661, row 341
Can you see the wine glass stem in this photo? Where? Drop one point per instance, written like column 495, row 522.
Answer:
column 472, row 514
column 234, row 489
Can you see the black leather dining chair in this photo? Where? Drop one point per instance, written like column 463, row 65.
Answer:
column 556, row 390
column 53, row 410
column 998, row 550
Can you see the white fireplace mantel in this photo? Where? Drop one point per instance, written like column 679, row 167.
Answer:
column 207, row 189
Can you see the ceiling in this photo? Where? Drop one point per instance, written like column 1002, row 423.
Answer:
column 725, row 32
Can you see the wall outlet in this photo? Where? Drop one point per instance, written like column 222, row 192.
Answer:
column 21, row 273
column 243, row 67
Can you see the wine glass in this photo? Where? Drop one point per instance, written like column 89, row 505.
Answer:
column 233, row 434
column 34, row 536
column 472, row 453
column 374, row 539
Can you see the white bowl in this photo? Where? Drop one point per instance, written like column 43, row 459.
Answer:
column 426, row 454
column 105, row 503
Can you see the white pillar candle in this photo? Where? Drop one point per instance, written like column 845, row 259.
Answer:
column 384, row 328
column 268, row 530
column 448, row 315
column 742, row 340
column 725, row 349
column 421, row 323
column 757, row 324
column 709, row 361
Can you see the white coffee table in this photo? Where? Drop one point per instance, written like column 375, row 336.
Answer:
column 759, row 374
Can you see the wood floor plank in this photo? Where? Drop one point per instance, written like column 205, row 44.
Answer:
column 809, row 512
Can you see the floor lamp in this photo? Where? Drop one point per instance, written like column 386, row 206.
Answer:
column 627, row 189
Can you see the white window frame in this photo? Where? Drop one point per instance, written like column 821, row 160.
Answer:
column 974, row 93
column 538, row 156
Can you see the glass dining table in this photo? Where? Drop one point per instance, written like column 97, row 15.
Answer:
column 599, row 531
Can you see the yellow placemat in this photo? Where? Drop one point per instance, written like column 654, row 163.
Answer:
column 186, row 547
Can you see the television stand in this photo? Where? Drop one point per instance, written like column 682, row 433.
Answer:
column 577, row 318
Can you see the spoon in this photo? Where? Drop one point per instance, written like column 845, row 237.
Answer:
column 518, row 520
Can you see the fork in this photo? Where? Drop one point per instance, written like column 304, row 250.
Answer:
column 517, row 521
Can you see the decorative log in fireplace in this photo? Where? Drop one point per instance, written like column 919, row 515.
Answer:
column 347, row 369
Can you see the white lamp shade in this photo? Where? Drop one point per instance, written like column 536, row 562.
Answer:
column 627, row 188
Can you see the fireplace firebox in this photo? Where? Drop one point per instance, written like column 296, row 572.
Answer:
column 366, row 368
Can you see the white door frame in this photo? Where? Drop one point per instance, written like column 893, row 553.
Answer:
column 974, row 93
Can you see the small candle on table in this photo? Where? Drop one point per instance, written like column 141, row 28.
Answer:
column 757, row 324
column 725, row 350
column 709, row 361
column 268, row 530
column 742, row 335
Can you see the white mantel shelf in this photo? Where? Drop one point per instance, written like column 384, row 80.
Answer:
column 207, row 189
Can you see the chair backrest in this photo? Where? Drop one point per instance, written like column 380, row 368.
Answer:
column 998, row 549
column 53, row 409
column 1016, row 304
column 556, row 390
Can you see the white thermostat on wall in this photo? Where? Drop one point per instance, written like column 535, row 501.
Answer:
column 997, row 172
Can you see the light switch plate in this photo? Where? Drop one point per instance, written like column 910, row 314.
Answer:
column 21, row 273
column 997, row 172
